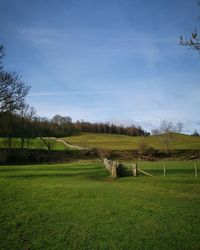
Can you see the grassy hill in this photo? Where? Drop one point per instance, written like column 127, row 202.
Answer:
column 123, row 142
column 111, row 142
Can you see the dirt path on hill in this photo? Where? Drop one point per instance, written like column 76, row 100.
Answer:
column 67, row 144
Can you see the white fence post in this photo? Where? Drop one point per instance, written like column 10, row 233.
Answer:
column 195, row 170
column 164, row 170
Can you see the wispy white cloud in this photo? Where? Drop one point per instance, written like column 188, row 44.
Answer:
column 106, row 42
column 51, row 34
column 60, row 93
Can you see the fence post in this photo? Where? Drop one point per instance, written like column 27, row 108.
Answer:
column 164, row 170
column 134, row 169
column 195, row 170
column 114, row 171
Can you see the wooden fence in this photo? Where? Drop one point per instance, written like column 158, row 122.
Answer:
column 119, row 170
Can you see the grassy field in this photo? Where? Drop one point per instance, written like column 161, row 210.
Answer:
column 78, row 206
column 123, row 142
column 34, row 144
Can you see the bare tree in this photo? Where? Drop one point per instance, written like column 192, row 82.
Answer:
column 48, row 142
column 12, row 91
column 67, row 119
column 12, row 95
column 167, row 128
column 195, row 133
column 27, row 113
column 179, row 127
column 193, row 42
column 1, row 56
column 155, row 132
column 60, row 120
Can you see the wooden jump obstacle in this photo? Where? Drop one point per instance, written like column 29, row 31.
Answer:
column 118, row 170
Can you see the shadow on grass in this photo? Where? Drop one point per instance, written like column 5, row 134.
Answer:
column 93, row 174
column 47, row 168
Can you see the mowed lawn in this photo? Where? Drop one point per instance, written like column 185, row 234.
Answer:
column 78, row 206
column 124, row 142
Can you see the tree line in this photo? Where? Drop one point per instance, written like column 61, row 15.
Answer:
column 110, row 128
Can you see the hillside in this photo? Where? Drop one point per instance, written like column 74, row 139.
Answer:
column 123, row 142
column 110, row 142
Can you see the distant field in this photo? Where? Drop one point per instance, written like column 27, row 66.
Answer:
column 78, row 206
column 123, row 142
column 34, row 144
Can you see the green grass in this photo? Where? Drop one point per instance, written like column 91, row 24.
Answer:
column 78, row 206
column 34, row 144
column 123, row 142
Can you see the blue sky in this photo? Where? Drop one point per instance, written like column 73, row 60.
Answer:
column 113, row 60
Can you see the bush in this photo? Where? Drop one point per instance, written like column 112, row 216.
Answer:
column 104, row 153
column 146, row 150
